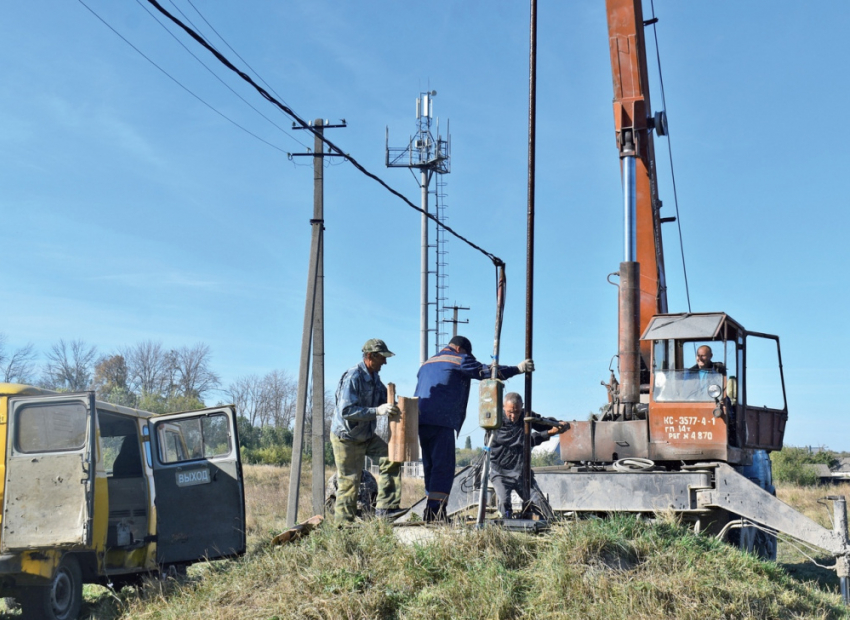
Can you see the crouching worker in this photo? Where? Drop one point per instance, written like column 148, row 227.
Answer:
column 506, row 462
column 360, row 398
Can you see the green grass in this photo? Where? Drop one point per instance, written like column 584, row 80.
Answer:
column 621, row 567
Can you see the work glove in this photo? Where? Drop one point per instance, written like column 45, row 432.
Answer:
column 526, row 366
column 388, row 410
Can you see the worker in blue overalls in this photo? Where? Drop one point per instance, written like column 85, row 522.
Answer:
column 443, row 392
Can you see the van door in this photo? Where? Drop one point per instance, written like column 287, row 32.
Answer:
column 200, row 502
column 49, row 472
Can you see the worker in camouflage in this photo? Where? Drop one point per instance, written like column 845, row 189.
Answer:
column 361, row 398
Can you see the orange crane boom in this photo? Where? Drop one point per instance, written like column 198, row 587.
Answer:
column 633, row 122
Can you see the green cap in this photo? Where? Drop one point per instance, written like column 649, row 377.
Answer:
column 376, row 345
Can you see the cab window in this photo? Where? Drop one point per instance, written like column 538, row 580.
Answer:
column 50, row 427
column 764, row 375
column 688, row 371
column 193, row 438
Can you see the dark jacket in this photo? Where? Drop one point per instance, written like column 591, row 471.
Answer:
column 358, row 396
column 506, row 449
column 443, row 386
column 715, row 367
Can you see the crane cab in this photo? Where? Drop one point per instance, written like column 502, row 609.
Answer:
column 716, row 391
column 711, row 391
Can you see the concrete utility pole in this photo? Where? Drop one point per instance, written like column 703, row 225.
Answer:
column 430, row 156
column 454, row 320
column 314, row 332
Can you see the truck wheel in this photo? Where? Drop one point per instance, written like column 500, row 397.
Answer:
column 61, row 599
column 751, row 539
column 764, row 546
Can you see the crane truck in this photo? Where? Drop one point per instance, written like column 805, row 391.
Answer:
column 700, row 399
column 699, row 402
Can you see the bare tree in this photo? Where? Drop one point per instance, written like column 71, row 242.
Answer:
column 269, row 401
column 147, row 367
column 19, row 366
column 327, row 417
column 329, row 412
column 191, row 372
column 280, row 391
column 246, row 394
column 69, row 366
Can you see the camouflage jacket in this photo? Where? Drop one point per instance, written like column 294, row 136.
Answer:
column 357, row 398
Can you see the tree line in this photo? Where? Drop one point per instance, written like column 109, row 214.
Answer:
column 150, row 376
column 146, row 375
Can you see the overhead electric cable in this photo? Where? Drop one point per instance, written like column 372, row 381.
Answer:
column 216, row 76
column 331, row 146
column 176, row 81
column 186, row 17
column 223, row 40
column 670, row 155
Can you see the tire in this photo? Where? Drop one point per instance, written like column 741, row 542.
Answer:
column 754, row 541
column 751, row 539
column 61, row 599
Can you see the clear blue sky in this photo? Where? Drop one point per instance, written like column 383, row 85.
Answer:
column 131, row 211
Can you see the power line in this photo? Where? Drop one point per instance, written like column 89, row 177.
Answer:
column 215, row 75
column 259, row 77
column 670, row 155
column 176, row 81
column 331, row 146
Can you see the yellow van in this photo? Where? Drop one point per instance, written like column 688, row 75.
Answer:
column 98, row 493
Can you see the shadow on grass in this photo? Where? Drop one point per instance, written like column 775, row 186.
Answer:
column 807, row 571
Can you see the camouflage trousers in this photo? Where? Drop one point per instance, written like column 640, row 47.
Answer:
column 350, row 458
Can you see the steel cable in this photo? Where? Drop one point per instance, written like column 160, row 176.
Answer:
column 331, row 146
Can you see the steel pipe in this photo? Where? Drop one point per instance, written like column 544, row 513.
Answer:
column 629, row 208
column 629, row 343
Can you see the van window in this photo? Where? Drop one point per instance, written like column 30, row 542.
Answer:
column 50, row 427
column 193, row 438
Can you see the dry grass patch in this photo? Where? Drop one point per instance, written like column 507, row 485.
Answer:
column 800, row 564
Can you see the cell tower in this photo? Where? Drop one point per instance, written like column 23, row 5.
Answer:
column 430, row 156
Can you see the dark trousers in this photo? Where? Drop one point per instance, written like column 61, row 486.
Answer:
column 505, row 482
column 438, row 460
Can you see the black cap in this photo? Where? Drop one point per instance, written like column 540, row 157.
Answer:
column 462, row 342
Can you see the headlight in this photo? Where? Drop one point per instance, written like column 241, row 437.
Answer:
column 714, row 391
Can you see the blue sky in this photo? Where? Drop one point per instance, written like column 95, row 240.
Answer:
column 132, row 211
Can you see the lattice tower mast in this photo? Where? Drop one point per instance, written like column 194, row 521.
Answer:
column 430, row 156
